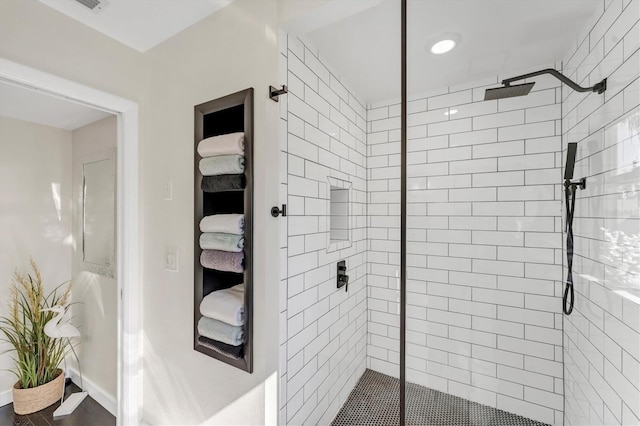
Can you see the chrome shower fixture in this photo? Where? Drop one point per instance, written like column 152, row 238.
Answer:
column 509, row 91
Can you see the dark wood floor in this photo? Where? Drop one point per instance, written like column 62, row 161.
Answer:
column 89, row 413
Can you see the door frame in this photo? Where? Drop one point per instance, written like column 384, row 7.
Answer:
column 129, row 380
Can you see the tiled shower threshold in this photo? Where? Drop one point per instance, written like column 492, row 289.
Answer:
column 375, row 401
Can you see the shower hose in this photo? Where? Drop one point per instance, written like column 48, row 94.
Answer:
column 570, row 200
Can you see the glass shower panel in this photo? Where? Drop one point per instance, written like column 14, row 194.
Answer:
column 484, row 226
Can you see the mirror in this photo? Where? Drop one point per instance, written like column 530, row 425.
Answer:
column 98, row 211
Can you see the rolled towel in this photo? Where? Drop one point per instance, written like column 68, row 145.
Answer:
column 222, row 183
column 226, row 223
column 221, row 331
column 222, row 165
column 229, row 144
column 219, row 241
column 222, row 260
column 234, row 352
column 225, row 305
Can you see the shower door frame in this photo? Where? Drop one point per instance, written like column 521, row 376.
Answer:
column 403, row 207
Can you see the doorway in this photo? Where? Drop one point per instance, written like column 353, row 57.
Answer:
column 126, row 270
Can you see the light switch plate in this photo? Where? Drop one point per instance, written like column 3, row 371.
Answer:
column 171, row 258
column 168, row 190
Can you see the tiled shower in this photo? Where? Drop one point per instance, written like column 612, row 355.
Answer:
column 602, row 335
column 323, row 331
column 483, row 248
column 485, row 237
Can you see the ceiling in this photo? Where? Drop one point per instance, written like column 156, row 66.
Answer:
column 140, row 24
column 498, row 37
column 38, row 107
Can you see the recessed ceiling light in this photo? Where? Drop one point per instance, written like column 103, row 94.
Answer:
column 443, row 46
column 451, row 111
column 443, row 43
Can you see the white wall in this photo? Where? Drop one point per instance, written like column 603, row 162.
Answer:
column 232, row 50
column 602, row 335
column 96, row 309
column 323, row 329
column 35, row 212
column 483, row 249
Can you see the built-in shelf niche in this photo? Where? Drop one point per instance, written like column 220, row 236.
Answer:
column 232, row 113
column 341, row 220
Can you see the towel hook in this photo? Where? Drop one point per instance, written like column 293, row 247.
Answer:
column 275, row 211
column 274, row 93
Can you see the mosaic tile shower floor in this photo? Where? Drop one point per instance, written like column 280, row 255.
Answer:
column 375, row 401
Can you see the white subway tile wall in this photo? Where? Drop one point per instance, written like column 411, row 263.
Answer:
column 485, row 239
column 322, row 329
column 601, row 336
column 484, row 247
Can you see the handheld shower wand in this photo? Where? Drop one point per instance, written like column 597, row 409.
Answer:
column 570, row 189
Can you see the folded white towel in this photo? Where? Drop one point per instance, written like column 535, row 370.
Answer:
column 221, row 331
column 227, row 223
column 229, row 144
column 225, row 305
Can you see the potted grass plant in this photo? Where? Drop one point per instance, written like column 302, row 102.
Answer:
column 37, row 356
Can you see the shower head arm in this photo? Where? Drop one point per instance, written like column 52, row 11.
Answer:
column 598, row 88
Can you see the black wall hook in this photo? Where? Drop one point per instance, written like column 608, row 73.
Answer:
column 275, row 211
column 274, row 93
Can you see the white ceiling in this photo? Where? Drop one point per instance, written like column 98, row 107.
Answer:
column 140, row 24
column 38, row 107
column 498, row 37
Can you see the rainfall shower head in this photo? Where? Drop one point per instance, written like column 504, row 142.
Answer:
column 508, row 91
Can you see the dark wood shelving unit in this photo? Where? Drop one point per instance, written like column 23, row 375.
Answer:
column 232, row 113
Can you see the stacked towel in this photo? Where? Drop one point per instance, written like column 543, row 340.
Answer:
column 222, row 260
column 222, row 241
column 222, row 165
column 229, row 144
column 225, row 223
column 234, row 352
column 222, row 183
column 219, row 241
column 225, row 305
column 221, row 331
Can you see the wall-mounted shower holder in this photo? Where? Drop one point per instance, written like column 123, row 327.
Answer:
column 580, row 183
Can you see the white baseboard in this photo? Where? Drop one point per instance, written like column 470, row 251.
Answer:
column 109, row 402
column 6, row 397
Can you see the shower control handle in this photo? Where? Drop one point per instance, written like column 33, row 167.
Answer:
column 342, row 277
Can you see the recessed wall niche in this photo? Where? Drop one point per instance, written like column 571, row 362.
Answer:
column 223, row 260
column 340, row 214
